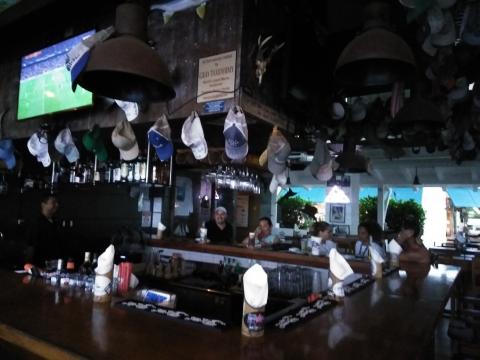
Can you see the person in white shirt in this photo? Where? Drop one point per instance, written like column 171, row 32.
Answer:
column 361, row 245
column 369, row 234
column 321, row 234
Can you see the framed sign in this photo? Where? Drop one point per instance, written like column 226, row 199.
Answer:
column 216, row 77
column 337, row 213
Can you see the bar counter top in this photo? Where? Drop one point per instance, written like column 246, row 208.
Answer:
column 286, row 257
column 393, row 318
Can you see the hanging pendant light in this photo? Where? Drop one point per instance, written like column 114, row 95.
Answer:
column 125, row 67
column 290, row 193
column 350, row 160
column 377, row 57
column 416, row 180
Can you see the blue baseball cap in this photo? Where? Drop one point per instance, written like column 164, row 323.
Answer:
column 78, row 67
column 6, row 153
column 159, row 135
column 235, row 132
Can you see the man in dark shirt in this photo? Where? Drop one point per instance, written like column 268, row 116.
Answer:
column 218, row 229
column 44, row 239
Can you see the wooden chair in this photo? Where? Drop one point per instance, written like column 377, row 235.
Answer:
column 464, row 329
column 476, row 276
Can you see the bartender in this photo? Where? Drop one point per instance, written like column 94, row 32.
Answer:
column 44, row 240
column 219, row 229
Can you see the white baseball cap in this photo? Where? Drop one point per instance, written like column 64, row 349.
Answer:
column 358, row 110
column 321, row 165
column 193, row 137
column 65, row 145
column 435, row 19
column 38, row 147
column 263, row 158
column 235, row 132
column 221, row 209
column 278, row 151
column 447, row 35
column 124, row 139
column 129, row 108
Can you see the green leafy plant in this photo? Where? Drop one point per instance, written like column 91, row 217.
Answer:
column 368, row 209
column 291, row 213
column 397, row 211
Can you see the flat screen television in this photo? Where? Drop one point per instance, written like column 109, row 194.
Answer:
column 45, row 83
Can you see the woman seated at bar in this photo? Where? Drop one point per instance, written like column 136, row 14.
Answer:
column 263, row 233
column 409, row 239
column 321, row 234
column 369, row 234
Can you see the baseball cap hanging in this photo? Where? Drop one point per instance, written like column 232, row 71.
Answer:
column 125, row 141
column 159, row 135
column 193, row 137
column 93, row 141
column 235, row 132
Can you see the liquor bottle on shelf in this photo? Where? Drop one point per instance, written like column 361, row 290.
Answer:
column 154, row 174
column 143, row 170
column 86, row 267
column 124, row 171
column 117, row 172
column 108, row 173
column 55, row 278
column 79, row 174
column 72, row 174
column 136, row 169
column 70, row 266
column 94, row 262
column 165, row 173
column 87, row 173
column 131, row 168
column 64, row 277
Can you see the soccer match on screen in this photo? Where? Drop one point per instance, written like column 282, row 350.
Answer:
column 45, row 83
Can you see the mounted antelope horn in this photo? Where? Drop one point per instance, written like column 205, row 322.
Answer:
column 262, row 60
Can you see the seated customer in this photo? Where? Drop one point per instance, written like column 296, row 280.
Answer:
column 218, row 229
column 263, row 233
column 413, row 248
column 376, row 233
column 321, row 232
column 364, row 240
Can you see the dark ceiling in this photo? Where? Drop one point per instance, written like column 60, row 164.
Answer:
column 315, row 32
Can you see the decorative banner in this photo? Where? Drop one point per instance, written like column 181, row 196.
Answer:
column 216, row 77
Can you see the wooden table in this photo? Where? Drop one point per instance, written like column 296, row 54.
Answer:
column 392, row 318
column 451, row 250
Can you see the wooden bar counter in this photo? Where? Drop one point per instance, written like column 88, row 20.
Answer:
column 285, row 257
column 392, row 318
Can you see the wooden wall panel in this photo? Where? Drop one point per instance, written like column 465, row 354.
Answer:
column 180, row 42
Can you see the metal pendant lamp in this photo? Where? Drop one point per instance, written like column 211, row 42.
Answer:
column 125, row 67
column 417, row 115
column 350, row 160
column 416, row 180
column 375, row 58
column 290, row 193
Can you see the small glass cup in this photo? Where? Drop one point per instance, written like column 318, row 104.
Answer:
column 251, row 239
column 203, row 235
